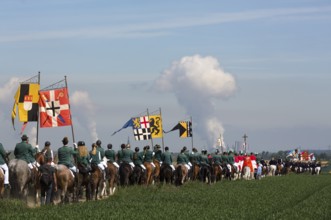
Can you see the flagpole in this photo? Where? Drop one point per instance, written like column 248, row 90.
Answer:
column 72, row 127
column 151, row 134
column 162, row 130
column 37, row 140
column 192, row 132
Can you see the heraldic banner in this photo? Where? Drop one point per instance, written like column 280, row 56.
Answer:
column 54, row 108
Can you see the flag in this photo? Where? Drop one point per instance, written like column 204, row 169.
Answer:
column 184, row 127
column 129, row 123
column 26, row 99
column 155, row 122
column 142, row 134
column 141, row 128
column 54, row 108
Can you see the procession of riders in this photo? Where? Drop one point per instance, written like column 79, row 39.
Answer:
column 153, row 165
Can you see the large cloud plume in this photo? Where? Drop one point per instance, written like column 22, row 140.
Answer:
column 197, row 83
column 85, row 111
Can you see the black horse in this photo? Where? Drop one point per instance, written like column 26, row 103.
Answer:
column 125, row 172
column 166, row 173
column 138, row 176
column 205, row 173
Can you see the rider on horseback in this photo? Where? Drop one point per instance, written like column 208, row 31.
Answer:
column 83, row 158
column 128, row 156
column 148, row 156
column 3, row 165
column 110, row 155
column 166, row 158
column 157, row 153
column 65, row 155
column 138, row 158
column 217, row 159
column 101, row 152
column 25, row 151
column 183, row 159
column 96, row 159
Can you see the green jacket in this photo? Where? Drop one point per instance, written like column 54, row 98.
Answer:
column 204, row 159
column 83, row 160
column 217, row 159
column 2, row 155
column 95, row 158
column 120, row 156
column 231, row 159
column 24, row 151
column 148, row 156
column 110, row 155
column 138, row 158
column 127, row 155
column 166, row 158
column 225, row 159
column 102, row 152
column 194, row 157
column 158, row 155
column 182, row 159
column 65, row 155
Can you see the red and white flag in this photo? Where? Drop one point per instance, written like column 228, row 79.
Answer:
column 54, row 108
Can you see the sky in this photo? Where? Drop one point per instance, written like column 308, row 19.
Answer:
column 260, row 68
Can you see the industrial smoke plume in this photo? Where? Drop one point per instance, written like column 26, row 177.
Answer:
column 197, row 82
column 85, row 111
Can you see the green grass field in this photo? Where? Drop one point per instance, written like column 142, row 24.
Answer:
column 287, row 197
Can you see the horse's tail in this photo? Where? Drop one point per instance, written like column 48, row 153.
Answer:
column 179, row 175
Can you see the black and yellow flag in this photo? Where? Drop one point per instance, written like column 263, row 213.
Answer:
column 26, row 99
column 184, row 127
column 155, row 122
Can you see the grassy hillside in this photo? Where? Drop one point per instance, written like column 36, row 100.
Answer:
column 287, row 197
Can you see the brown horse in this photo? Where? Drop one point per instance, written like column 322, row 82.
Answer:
column 112, row 177
column 97, row 182
column 65, row 183
column 149, row 173
column 217, row 173
column 181, row 174
column 195, row 171
column 2, row 177
column 157, row 171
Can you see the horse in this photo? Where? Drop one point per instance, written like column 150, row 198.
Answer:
column 138, row 175
column 166, row 173
column 40, row 158
column 217, row 173
column 180, row 174
column 149, row 173
column 205, row 173
column 97, row 182
column 83, row 180
column 21, row 179
column 246, row 173
column 125, row 172
column 112, row 177
column 65, row 183
column 157, row 170
column 195, row 169
column 2, row 176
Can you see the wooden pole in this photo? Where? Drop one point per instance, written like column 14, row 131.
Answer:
column 72, row 126
column 37, row 139
column 162, row 130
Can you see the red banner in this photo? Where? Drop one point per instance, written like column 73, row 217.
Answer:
column 54, row 108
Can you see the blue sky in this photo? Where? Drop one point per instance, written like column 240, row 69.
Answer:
column 113, row 52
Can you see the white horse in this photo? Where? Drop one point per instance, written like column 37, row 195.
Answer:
column 246, row 173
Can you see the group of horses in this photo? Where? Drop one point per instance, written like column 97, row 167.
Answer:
column 25, row 181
